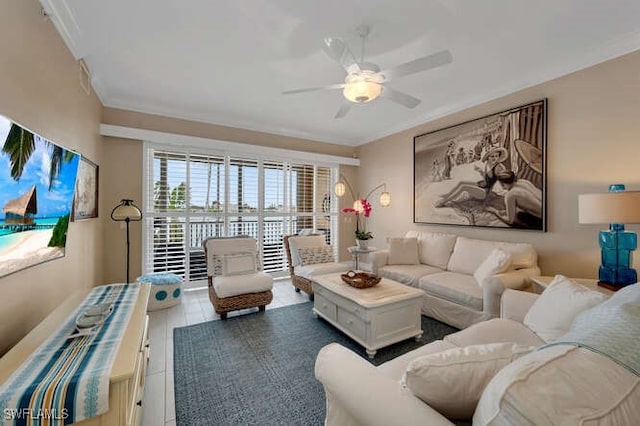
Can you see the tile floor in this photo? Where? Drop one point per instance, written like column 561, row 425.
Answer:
column 158, row 406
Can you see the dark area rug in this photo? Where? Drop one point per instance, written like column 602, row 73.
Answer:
column 259, row 368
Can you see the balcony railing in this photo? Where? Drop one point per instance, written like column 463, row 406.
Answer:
column 170, row 253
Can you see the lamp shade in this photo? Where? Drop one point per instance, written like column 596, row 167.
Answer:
column 340, row 188
column 609, row 207
column 126, row 210
column 385, row 199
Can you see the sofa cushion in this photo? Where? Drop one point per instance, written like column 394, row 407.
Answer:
column 304, row 241
column 574, row 385
column 497, row 262
column 495, row 330
column 434, row 248
column 469, row 253
column 459, row 288
column 403, row 251
column 553, row 312
column 313, row 270
column 313, row 255
column 407, row 274
column 453, row 380
column 396, row 367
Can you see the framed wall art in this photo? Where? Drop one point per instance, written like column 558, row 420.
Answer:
column 488, row 172
column 85, row 201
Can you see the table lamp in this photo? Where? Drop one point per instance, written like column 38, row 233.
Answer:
column 126, row 212
column 616, row 208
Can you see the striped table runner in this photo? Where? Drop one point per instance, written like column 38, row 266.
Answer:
column 67, row 379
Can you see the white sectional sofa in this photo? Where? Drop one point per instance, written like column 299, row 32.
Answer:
column 447, row 268
column 563, row 383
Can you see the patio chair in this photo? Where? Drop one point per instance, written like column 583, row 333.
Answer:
column 234, row 275
column 309, row 256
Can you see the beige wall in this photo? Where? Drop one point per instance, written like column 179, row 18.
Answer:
column 593, row 142
column 39, row 89
column 123, row 171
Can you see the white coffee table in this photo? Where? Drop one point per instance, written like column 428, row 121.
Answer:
column 374, row 317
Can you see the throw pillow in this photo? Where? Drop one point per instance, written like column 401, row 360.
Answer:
column 300, row 242
column 238, row 264
column 314, row 255
column 497, row 262
column 452, row 381
column 552, row 313
column 403, row 251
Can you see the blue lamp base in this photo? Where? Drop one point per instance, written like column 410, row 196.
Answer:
column 616, row 246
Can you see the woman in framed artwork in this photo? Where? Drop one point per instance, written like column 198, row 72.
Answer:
column 493, row 166
column 522, row 202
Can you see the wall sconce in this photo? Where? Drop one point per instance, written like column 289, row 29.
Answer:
column 126, row 211
column 341, row 186
column 616, row 208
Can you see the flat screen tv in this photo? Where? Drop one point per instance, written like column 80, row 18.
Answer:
column 37, row 183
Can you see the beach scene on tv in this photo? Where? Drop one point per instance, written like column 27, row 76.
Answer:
column 37, row 183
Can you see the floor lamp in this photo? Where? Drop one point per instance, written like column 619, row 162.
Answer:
column 126, row 212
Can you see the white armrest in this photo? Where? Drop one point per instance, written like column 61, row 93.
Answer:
column 359, row 393
column 494, row 286
column 377, row 259
column 516, row 304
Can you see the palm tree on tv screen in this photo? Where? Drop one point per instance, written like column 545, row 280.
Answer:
column 19, row 146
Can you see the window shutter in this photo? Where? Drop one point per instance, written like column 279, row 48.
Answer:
column 192, row 196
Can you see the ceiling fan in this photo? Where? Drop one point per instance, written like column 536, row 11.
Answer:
column 364, row 81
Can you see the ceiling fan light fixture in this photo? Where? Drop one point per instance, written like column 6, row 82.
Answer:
column 361, row 90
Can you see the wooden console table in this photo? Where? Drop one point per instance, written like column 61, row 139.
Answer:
column 126, row 383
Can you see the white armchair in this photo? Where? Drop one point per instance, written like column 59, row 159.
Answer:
column 309, row 256
column 234, row 276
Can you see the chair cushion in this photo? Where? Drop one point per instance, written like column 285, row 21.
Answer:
column 497, row 262
column 495, row 330
column 403, row 251
column 407, row 274
column 453, row 380
column 553, row 312
column 572, row 385
column 458, row 288
column 434, row 248
column 313, row 255
column 234, row 285
column 313, row 270
column 304, row 241
column 239, row 264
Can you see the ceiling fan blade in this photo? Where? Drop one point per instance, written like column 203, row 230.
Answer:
column 344, row 109
column 417, row 65
column 338, row 50
column 400, row 97
column 313, row 89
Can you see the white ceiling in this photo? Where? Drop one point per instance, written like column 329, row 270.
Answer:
column 227, row 61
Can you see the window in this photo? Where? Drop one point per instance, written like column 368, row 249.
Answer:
column 191, row 196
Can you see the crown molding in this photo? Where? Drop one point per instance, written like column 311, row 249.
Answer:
column 60, row 14
column 221, row 146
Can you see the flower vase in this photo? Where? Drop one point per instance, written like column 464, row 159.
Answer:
column 362, row 244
